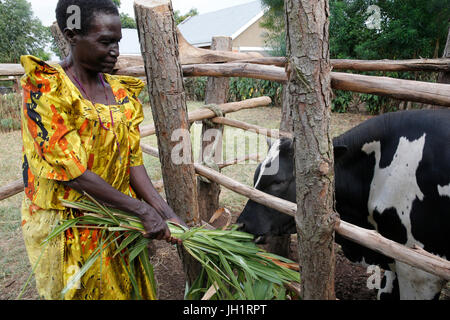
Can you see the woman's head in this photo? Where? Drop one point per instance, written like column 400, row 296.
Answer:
column 95, row 40
column 87, row 10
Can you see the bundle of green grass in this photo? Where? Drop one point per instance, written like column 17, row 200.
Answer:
column 234, row 268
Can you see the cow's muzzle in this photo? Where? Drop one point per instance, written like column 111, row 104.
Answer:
column 258, row 239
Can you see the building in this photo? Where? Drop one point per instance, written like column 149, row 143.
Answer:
column 129, row 45
column 241, row 23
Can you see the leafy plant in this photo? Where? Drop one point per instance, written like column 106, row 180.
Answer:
column 232, row 264
column 273, row 22
column 195, row 88
column 342, row 100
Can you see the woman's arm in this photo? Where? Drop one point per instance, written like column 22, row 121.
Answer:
column 94, row 185
column 142, row 185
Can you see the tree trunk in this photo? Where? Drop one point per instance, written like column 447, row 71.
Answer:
column 61, row 42
column 211, row 150
column 408, row 90
column 280, row 245
column 391, row 65
column 286, row 123
column 159, row 47
column 11, row 189
column 233, row 69
column 444, row 77
column 310, row 94
column 190, row 54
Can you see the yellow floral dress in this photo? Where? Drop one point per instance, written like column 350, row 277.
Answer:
column 62, row 138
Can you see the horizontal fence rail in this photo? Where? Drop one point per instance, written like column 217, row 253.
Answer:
column 408, row 90
column 430, row 65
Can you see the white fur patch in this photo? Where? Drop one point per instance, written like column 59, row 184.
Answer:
column 444, row 190
column 396, row 185
column 271, row 158
column 416, row 284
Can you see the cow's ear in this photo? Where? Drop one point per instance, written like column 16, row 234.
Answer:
column 269, row 142
column 339, row 151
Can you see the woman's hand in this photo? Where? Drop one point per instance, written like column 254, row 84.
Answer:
column 142, row 185
column 155, row 227
column 178, row 221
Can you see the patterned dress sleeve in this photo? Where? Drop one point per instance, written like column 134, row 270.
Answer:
column 135, row 116
column 49, row 131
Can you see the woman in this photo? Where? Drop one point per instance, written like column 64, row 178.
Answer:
column 80, row 130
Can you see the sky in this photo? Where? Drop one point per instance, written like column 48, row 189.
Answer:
column 45, row 9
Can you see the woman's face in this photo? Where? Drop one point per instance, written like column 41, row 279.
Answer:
column 98, row 50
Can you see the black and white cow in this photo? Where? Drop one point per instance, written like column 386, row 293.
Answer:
column 392, row 174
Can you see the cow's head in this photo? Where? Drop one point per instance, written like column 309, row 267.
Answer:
column 275, row 176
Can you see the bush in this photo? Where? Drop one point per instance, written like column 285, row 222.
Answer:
column 195, row 88
column 144, row 97
column 10, row 107
column 341, row 101
column 246, row 88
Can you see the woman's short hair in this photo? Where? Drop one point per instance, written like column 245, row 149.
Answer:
column 88, row 9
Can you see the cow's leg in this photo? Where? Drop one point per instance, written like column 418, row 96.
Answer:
column 416, row 284
column 389, row 287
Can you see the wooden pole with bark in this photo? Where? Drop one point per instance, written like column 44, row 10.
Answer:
column 61, row 42
column 309, row 87
column 444, row 76
column 159, row 47
column 408, row 90
column 211, row 137
column 204, row 113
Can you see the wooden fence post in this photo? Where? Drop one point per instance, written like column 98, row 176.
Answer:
column 310, row 93
column 61, row 42
column 159, row 47
column 216, row 93
column 444, row 76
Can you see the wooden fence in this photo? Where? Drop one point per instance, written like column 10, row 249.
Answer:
column 200, row 62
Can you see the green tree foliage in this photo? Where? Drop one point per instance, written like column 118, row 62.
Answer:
column 276, row 5
column 127, row 21
column 179, row 18
column 273, row 21
column 408, row 29
column 20, row 32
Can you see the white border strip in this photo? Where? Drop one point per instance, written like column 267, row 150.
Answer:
column 248, row 24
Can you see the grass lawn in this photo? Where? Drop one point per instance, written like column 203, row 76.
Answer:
column 14, row 265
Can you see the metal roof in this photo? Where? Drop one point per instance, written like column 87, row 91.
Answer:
column 230, row 22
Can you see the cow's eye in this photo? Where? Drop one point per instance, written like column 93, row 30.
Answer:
column 277, row 183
